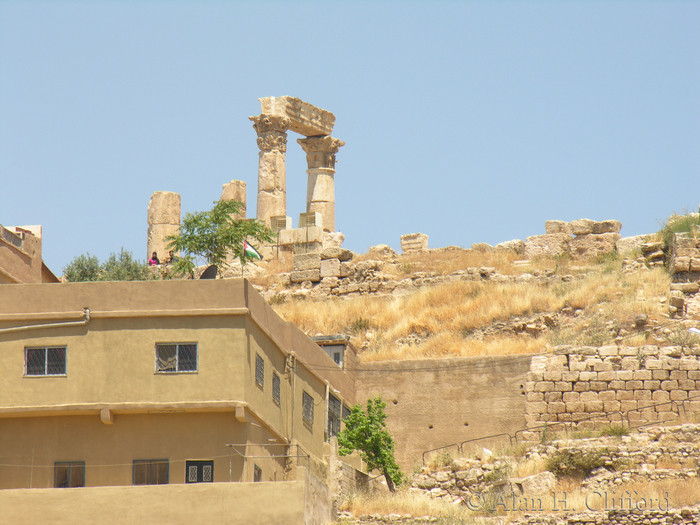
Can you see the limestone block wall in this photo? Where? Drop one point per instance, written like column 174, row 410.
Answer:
column 414, row 242
column 588, row 387
column 590, row 238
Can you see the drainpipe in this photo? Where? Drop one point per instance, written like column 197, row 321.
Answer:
column 85, row 321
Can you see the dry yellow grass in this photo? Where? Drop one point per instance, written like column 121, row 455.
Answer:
column 442, row 317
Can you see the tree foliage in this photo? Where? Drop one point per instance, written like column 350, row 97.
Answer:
column 121, row 267
column 366, row 432
column 213, row 235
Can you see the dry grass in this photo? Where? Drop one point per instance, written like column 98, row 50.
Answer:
column 401, row 502
column 441, row 318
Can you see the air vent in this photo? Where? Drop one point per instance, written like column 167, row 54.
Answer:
column 280, row 222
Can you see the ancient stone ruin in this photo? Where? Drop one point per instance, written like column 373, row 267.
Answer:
column 163, row 220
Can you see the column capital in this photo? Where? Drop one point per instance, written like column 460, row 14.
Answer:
column 272, row 132
column 320, row 151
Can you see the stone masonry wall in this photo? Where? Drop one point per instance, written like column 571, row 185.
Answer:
column 587, row 387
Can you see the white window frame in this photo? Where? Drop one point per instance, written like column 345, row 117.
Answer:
column 46, row 362
column 176, row 369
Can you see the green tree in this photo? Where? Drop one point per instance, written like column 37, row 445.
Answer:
column 366, row 432
column 122, row 267
column 83, row 268
column 212, row 235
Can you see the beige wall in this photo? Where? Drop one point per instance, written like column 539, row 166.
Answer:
column 20, row 265
column 210, row 503
column 435, row 402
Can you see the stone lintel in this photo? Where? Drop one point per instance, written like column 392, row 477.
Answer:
column 304, row 118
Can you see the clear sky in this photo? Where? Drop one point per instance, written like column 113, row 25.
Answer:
column 467, row 121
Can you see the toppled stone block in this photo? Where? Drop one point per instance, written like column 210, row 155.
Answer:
column 330, row 268
column 557, row 227
column 548, row 245
column 516, row 245
column 414, row 242
column 333, row 239
column 582, row 226
column 592, row 245
column 299, row 276
column 383, row 251
column 482, row 247
column 307, row 261
column 341, row 254
column 609, row 226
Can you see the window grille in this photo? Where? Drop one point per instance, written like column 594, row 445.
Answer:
column 50, row 361
column 259, row 370
column 176, row 357
column 199, row 471
column 307, row 411
column 150, row 472
column 257, row 473
column 67, row 474
column 334, row 410
column 346, row 412
column 276, row 388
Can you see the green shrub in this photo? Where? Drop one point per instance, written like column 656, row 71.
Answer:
column 679, row 224
column 575, row 462
column 614, row 430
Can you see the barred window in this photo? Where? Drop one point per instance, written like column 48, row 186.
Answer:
column 346, row 412
column 150, row 472
column 307, row 410
column 49, row 361
column 257, row 473
column 259, row 370
column 68, row 474
column 176, row 357
column 276, row 387
column 334, row 409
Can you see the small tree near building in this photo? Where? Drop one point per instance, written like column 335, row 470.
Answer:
column 213, row 235
column 366, row 432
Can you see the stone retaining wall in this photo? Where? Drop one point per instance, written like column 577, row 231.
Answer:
column 587, row 387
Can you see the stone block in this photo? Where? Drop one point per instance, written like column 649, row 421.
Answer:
column 516, row 246
column 593, row 406
column 688, row 288
column 588, row 396
column 606, row 351
column 552, row 375
column 304, row 118
column 592, row 245
column 534, row 396
column 535, row 376
column 329, row 282
column 307, row 261
column 608, row 226
column 652, row 385
column 588, row 376
column 550, row 397
column 603, row 366
column 688, row 364
column 569, row 397
column 607, row 395
column 235, row 191
column 629, row 363
column 414, row 242
column 616, row 385
column 574, row 406
column 625, row 375
column 597, row 386
column 678, row 395
column 582, row 226
column 608, row 375
column 570, row 376
column 641, row 375
column 652, row 364
column 611, row 406
column 678, row 374
column 550, row 245
column 557, row 227
column 544, row 386
column 693, row 374
column 642, row 395
column 680, row 264
column 628, row 405
column 563, row 386
column 556, row 408
column 341, row 254
column 625, row 395
column 581, row 386
column 535, row 408
column 669, row 385
column 330, row 268
column 686, row 384
column 634, row 385
column 346, row 269
column 305, row 275
column 660, row 374
column 668, row 363
column 660, row 395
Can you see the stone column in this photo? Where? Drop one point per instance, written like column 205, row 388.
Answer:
column 235, row 191
column 320, row 192
column 163, row 220
column 272, row 173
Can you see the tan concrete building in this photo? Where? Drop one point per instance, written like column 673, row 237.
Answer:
column 164, row 382
column 20, row 256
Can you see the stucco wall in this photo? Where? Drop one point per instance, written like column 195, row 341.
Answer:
column 211, row 503
column 20, row 265
column 437, row 402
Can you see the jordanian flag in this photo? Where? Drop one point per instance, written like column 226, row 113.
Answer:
column 249, row 251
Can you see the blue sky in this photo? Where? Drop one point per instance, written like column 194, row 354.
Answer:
column 467, row 121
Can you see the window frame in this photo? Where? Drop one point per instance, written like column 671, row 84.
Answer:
column 259, row 370
column 177, row 370
column 257, row 473
column 71, row 465
column 276, row 388
column 199, row 464
column 150, row 463
column 46, row 349
column 335, row 410
column 307, row 408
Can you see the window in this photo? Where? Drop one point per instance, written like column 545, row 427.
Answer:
column 334, row 409
column 199, row 471
column 259, row 370
column 180, row 357
column 307, row 410
column 276, row 387
column 257, row 473
column 68, row 474
column 50, row 361
column 346, row 412
column 150, row 472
